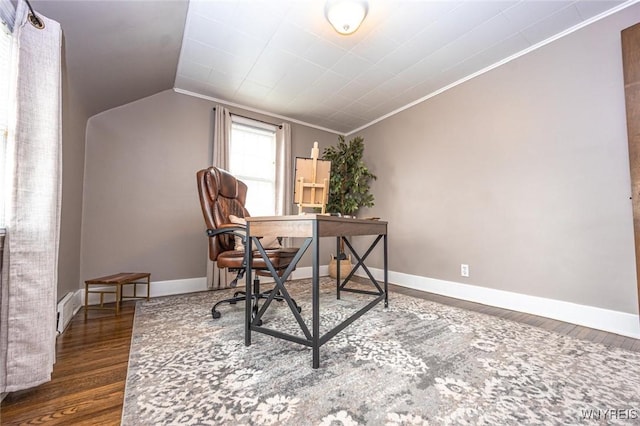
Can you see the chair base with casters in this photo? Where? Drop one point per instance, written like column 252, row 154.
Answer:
column 280, row 256
column 240, row 296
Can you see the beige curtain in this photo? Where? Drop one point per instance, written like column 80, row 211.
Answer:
column 284, row 174
column 217, row 278
column 284, row 171
column 30, row 261
column 221, row 135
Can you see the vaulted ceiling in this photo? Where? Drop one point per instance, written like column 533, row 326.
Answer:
column 118, row 51
column 282, row 57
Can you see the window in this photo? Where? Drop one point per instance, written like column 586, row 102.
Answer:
column 5, row 73
column 252, row 159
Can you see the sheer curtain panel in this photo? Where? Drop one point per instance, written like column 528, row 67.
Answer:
column 221, row 135
column 284, row 174
column 30, row 263
column 284, row 170
column 219, row 158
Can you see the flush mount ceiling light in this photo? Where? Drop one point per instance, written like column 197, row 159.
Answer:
column 345, row 15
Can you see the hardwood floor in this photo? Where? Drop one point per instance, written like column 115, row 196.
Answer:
column 87, row 386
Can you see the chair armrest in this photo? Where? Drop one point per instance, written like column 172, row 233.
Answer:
column 232, row 225
column 236, row 230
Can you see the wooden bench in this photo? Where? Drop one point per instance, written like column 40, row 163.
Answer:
column 115, row 283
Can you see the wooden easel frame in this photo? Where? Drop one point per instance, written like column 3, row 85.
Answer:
column 311, row 189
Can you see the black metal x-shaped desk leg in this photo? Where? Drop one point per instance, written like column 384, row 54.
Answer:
column 253, row 322
column 341, row 285
column 311, row 337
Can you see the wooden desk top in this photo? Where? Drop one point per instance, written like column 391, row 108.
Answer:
column 302, row 226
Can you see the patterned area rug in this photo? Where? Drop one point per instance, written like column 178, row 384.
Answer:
column 414, row 363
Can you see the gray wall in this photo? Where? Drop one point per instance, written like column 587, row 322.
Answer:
column 522, row 173
column 141, row 208
column 74, row 121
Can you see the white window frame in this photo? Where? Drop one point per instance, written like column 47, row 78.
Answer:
column 264, row 128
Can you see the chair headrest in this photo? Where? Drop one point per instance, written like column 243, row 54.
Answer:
column 227, row 184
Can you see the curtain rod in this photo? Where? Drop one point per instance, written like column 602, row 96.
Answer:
column 33, row 18
column 279, row 126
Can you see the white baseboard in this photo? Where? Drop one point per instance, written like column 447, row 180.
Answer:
column 302, row 273
column 617, row 322
column 78, row 300
column 189, row 285
column 158, row 288
column 168, row 288
column 297, row 274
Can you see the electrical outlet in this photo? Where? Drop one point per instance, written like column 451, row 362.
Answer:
column 464, row 270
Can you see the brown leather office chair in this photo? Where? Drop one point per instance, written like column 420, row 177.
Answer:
column 222, row 195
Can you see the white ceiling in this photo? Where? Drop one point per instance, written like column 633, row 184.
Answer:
column 282, row 57
column 116, row 51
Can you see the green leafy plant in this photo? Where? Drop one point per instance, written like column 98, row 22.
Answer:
column 350, row 177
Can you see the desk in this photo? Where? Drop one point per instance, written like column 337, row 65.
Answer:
column 311, row 227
